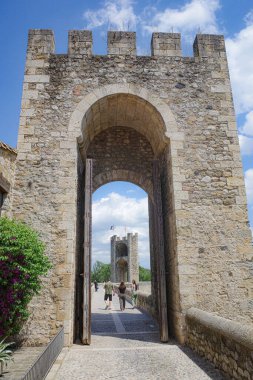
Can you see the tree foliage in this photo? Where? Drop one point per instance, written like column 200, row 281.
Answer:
column 144, row 274
column 22, row 261
column 100, row 272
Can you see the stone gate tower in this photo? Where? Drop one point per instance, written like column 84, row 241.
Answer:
column 164, row 122
column 124, row 258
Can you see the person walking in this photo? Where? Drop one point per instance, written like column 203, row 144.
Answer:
column 108, row 294
column 96, row 285
column 122, row 297
column 134, row 288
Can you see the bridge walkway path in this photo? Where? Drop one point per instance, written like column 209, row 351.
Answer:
column 125, row 345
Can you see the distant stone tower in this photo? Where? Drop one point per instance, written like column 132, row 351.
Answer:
column 124, row 258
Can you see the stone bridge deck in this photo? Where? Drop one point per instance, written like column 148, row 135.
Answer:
column 125, row 345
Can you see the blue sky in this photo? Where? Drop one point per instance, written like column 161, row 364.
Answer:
column 234, row 19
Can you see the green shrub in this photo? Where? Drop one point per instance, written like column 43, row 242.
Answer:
column 100, row 272
column 22, row 261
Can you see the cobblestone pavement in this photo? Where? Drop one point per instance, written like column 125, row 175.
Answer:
column 125, row 345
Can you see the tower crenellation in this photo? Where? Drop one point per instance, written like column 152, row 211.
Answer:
column 121, row 43
column 208, row 45
column 166, row 44
column 40, row 41
column 80, row 42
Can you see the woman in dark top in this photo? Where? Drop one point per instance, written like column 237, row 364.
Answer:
column 122, row 297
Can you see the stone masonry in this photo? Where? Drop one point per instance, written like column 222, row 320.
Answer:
column 226, row 343
column 181, row 109
column 124, row 258
column 7, row 168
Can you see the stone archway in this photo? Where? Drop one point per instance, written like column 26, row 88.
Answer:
column 125, row 134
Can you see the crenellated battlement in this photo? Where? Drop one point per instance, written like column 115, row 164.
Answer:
column 80, row 42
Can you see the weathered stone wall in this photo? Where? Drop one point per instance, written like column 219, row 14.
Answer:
column 109, row 150
column 229, row 345
column 183, row 106
column 145, row 287
column 7, row 169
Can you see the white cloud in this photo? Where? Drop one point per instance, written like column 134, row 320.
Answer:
column 120, row 15
column 240, row 58
column 247, row 128
column 246, row 145
column 196, row 14
column 127, row 214
column 249, row 18
column 249, row 185
column 117, row 14
column 119, row 210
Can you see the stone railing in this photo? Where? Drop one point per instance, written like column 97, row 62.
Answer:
column 145, row 302
column 228, row 344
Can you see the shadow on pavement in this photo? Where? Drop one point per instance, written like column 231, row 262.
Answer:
column 203, row 363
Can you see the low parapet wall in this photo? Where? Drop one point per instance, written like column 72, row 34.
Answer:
column 228, row 344
column 144, row 300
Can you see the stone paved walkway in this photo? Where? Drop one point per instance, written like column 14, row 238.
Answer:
column 125, row 345
column 23, row 359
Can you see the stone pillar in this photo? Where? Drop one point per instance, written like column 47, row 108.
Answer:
column 121, row 43
column 133, row 261
column 80, row 42
column 166, row 44
column 113, row 258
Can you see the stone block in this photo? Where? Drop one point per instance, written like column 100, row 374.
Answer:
column 36, row 78
column 209, row 45
column 40, row 41
column 166, row 44
column 80, row 42
column 121, row 43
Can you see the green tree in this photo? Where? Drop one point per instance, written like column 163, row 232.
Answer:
column 100, row 272
column 22, row 262
column 144, row 274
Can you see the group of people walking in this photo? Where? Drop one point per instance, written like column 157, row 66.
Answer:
column 108, row 287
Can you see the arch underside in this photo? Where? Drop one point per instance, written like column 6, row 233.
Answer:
column 121, row 154
column 123, row 134
column 124, row 110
